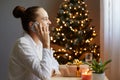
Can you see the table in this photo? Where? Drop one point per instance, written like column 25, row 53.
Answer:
column 66, row 78
column 69, row 73
column 69, row 78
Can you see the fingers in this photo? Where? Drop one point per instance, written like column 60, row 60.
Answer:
column 43, row 28
column 40, row 27
column 43, row 35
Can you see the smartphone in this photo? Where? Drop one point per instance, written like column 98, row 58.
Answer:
column 33, row 26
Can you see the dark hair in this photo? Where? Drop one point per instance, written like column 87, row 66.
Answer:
column 26, row 15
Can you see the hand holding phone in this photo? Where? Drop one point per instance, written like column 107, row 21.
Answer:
column 42, row 32
column 33, row 26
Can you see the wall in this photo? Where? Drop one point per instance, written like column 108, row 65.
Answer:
column 10, row 27
column 94, row 14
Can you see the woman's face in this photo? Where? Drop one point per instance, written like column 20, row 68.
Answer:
column 43, row 17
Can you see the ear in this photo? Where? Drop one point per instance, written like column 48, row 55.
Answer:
column 30, row 23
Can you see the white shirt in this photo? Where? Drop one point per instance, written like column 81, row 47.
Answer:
column 29, row 61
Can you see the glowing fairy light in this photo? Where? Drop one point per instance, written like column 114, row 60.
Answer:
column 75, row 8
column 94, row 34
column 51, row 38
column 95, row 46
column 91, row 28
column 75, row 30
column 78, row 1
column 86, row 14
column 76, row 53
column 61, row 27
column 55, row 54
column 70, row 57
column 71, row 41
column 58, row 33
column 92, row 51
column 76, row 13
column 71, row 27
column 83, row 9
column 91, row 39
column 85, row 49
column 82, row 22
column 63, row 22
column 70, row 48
column 56, row 29
column 63, row 39
column 58, row 20
column 54, row 41
column 83, row 2
column 80, row 52
column 63, row 50
column 79, row 6
column 63, row 34
column 86, row 19
column 66, row 54
column 80, row 14
column 73, row 17
column 98, row 54
column 65, row 5
column 59, row 50
column 58, row 56
column 87, row 41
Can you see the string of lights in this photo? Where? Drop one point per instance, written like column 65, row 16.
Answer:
column 74, row 32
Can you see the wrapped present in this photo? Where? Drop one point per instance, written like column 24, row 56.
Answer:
column 72, row 69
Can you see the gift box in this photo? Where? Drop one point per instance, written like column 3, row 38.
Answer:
column 72, row 70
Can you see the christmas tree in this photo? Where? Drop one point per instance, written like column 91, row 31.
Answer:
column 74, row 33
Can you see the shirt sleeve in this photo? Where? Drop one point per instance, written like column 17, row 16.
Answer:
column 43, row 68
column 55, row 64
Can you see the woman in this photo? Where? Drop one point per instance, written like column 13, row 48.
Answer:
column 32, row 58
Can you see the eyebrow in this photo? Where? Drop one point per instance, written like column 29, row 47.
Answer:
column 44, row 17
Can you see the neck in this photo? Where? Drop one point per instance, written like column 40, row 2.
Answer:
column 34, row 37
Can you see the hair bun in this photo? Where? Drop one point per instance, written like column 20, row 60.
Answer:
column 18, row 11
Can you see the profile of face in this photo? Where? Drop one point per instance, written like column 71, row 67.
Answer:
column 43, row 17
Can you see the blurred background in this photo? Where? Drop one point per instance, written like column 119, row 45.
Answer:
column 11, row 29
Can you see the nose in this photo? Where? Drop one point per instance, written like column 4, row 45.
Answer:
column 49, row 22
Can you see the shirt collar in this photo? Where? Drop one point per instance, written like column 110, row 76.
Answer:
column 28, row 36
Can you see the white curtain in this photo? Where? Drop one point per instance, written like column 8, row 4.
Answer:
column 110, row 36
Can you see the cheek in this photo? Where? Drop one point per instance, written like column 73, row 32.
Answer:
column 44, row 23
